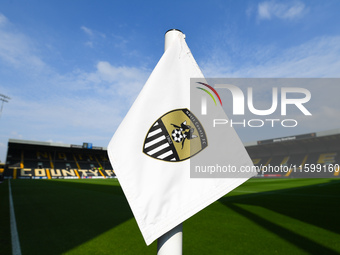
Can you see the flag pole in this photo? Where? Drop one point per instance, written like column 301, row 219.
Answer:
column 170, row 35
column 171, row 242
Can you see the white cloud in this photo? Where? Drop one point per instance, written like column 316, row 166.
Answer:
column 89, row 44
column 319, row 57
column 16, row 49
column 92, row 33
column 106, row 81
column 286, row 11
column 126, row 80
column 3, row 20
column 93, row 36
column 72, row 107
column 81, row 106
column 87, row 30
column 81, row 100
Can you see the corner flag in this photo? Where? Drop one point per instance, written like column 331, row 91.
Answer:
column 153, row 146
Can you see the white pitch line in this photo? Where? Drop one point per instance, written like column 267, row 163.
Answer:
column 14, row 232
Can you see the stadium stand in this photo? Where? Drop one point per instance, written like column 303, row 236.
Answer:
column 310, row 155
column 2, row 169
column 44, row 160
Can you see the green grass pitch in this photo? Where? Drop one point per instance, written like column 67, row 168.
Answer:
column 262, row 216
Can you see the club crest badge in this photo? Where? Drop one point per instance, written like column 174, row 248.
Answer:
column 176, row 136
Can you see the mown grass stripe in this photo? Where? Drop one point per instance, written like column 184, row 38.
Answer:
column 16, row 250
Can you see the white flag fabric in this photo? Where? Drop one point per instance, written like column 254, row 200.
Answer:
column 147, row 152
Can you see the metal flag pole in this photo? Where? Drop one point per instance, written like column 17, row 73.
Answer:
column 171, row 242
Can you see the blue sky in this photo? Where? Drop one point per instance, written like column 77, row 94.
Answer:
column 73, row 68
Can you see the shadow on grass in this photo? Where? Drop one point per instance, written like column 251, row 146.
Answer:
column 56, row 216
column 5, row 236
column 317, row 205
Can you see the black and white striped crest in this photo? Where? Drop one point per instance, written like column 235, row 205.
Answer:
column 176, row 136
